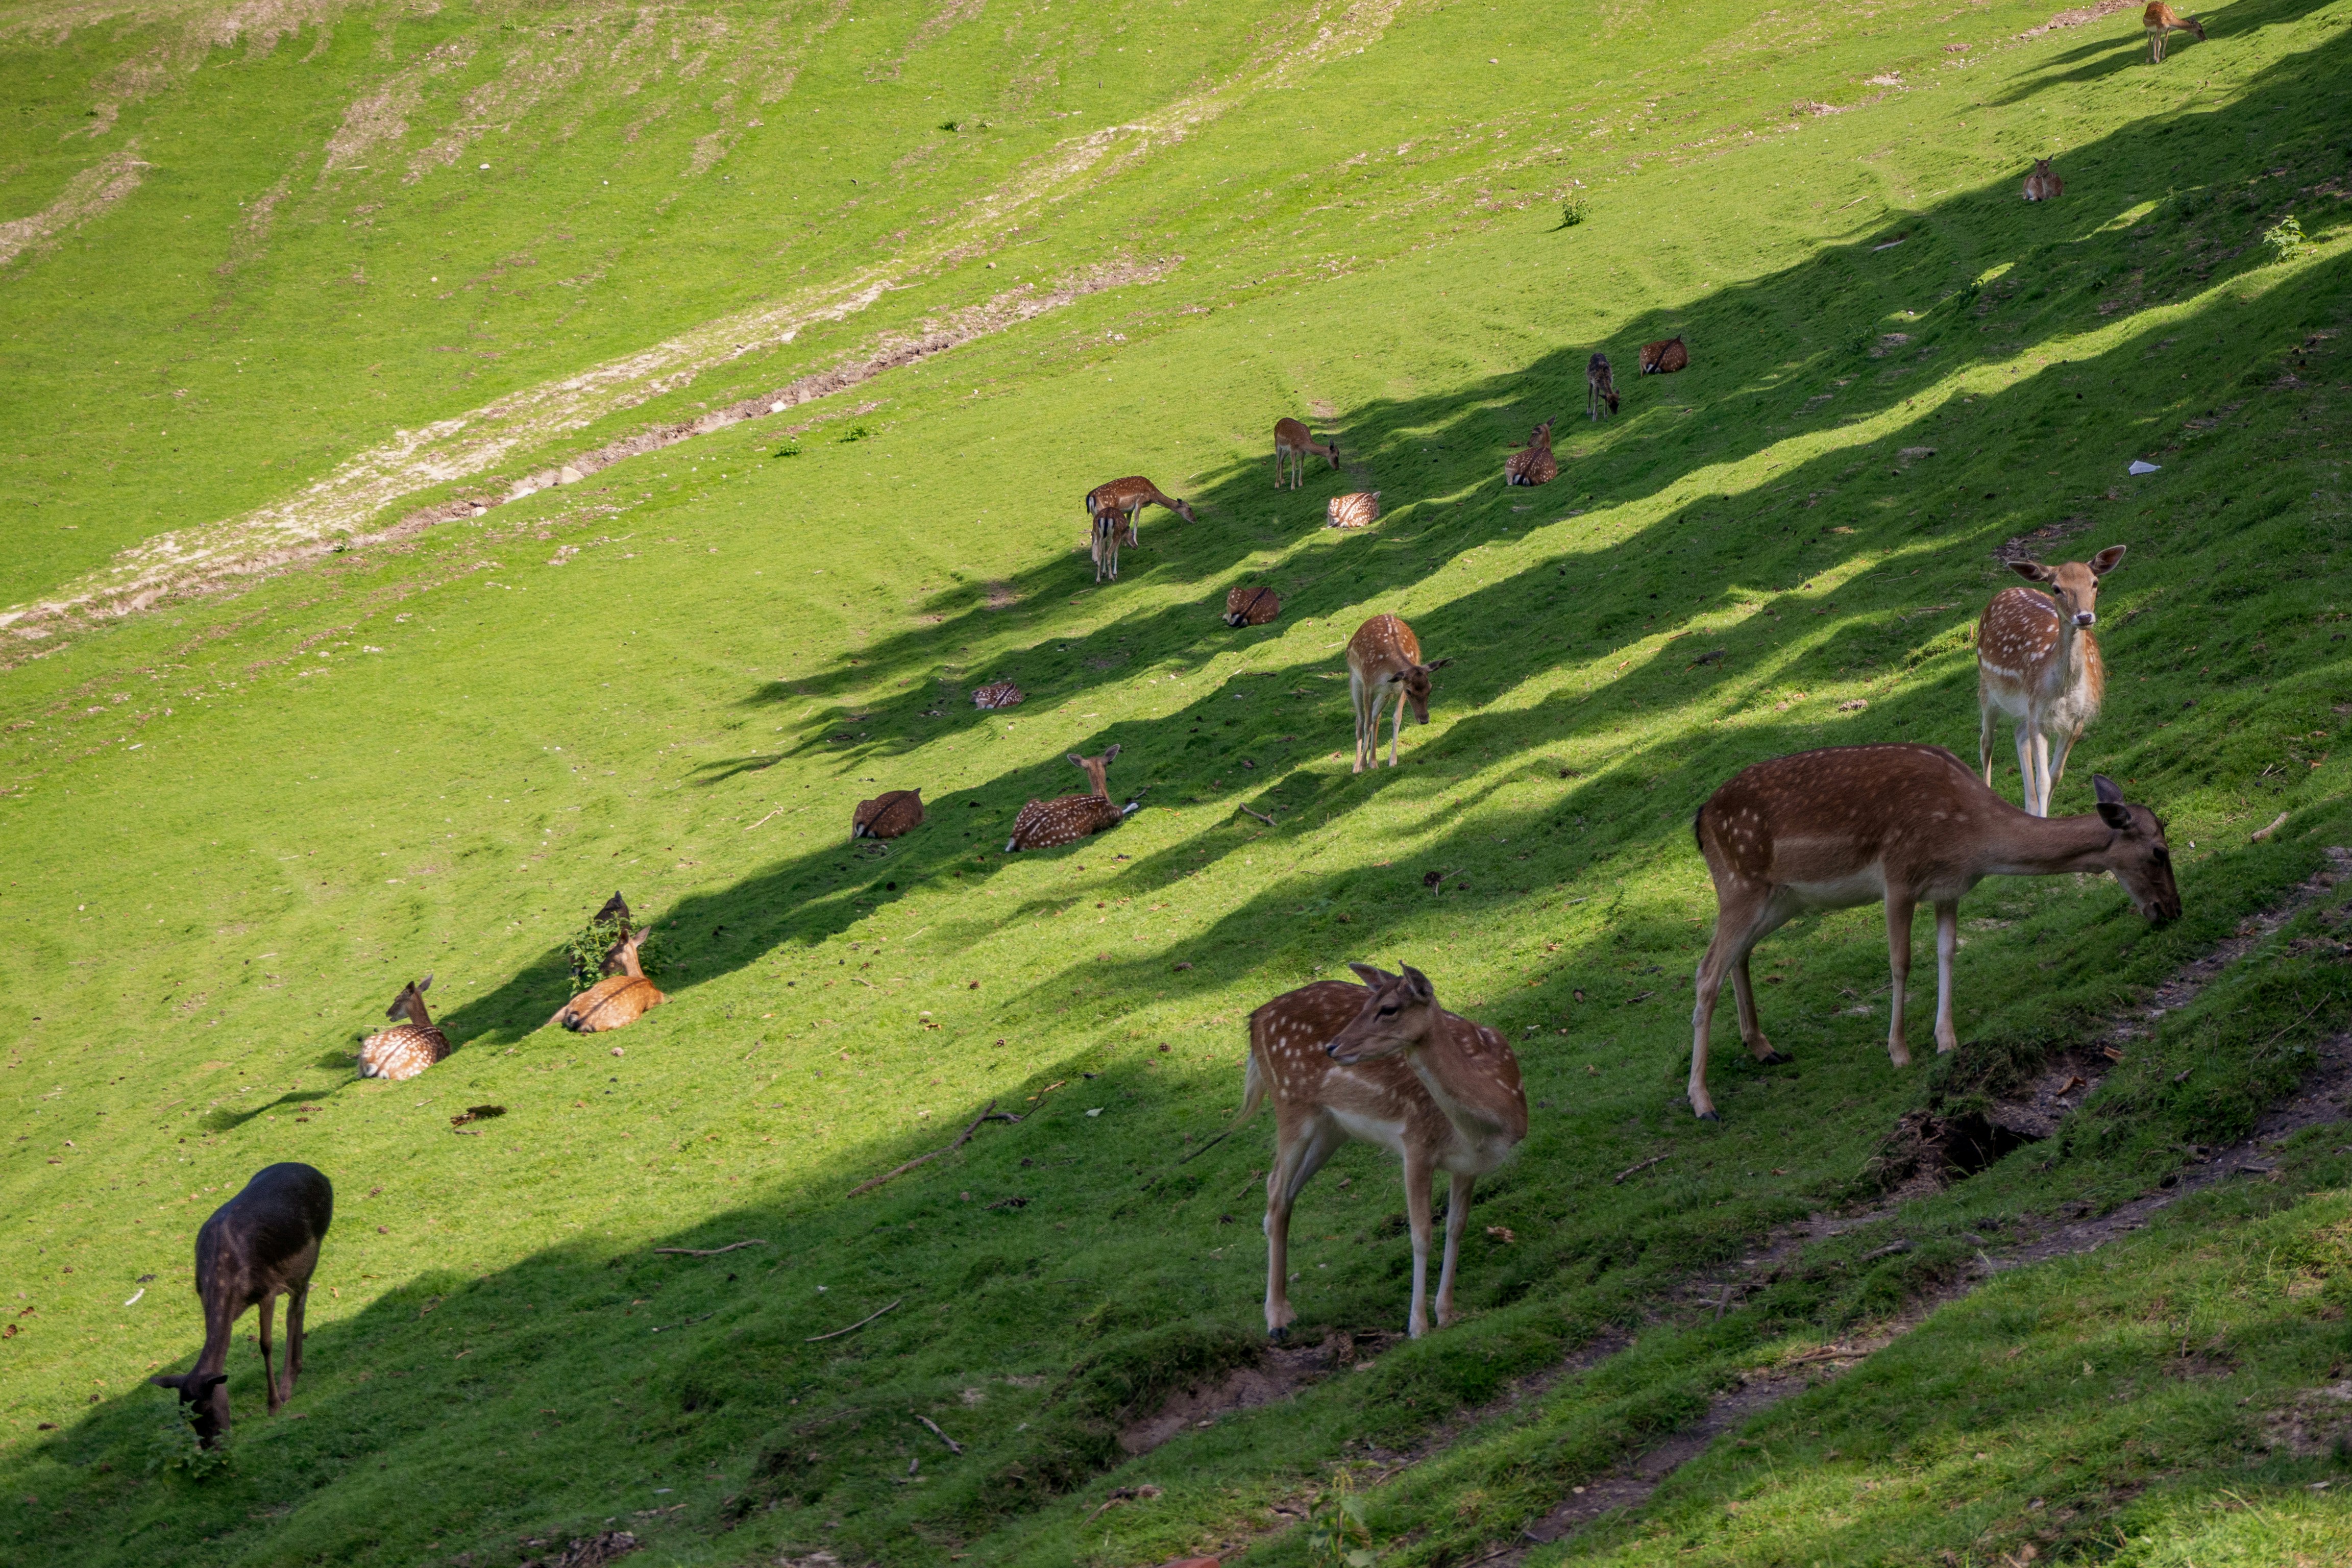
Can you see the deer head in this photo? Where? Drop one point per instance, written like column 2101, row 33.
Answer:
column 2137, row 854
column 204, row 1400
column 2075, row 582
column 1185, row 508
column 627, row 952
column 1094, row 768
column 1416, row 684
column 1399, row 1011
column 410, row 1003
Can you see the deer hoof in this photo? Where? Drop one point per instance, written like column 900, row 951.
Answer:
column 1279, row 1335
column 1778, row 1059
column 1709, row 1116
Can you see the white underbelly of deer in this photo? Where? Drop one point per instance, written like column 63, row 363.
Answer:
column 1389, row 1135
column 1866, row 886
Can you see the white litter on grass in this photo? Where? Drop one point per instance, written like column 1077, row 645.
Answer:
column 135, row 1295
column 1097, row 1110
column 2142, row 468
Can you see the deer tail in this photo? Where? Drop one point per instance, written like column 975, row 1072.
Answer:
column 1253, row 1090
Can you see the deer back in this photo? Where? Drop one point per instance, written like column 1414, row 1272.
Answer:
column 1292, row 435
column 1830, row 816
column 889, row 814
column 1358, row 510
column 402, row 1051
column 609, row 1004
column 1251, row 606
column 1001, row 694
column 1382, row 649
column 1665, row 357
column 267, row 1237
column 1049, row 824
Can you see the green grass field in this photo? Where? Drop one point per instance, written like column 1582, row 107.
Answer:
column 279, row 283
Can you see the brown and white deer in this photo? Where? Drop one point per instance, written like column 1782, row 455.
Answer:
column 1600, row 387
column 1384, row 662
column 1898, row 823
column 2043, row 184
column 1358, row 509
column 1532, row 464
column 1384, row 1063
column 1111, row 527
column 2038, row 663
column 260, row 1245
column 890, row 814
column 1665, row 357
column 406, row 1049
column 1050, row 823
column 617, row 999
column 1293, row 441
column 2161, row 21
column 1251, row 606
column 1127, row 496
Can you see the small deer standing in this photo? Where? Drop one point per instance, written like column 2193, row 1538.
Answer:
column 617, row 999
column 1384, row 662
column 2161, row 20
column 1292, row 443
column 2043, row 184
column 1127, row 496
column 1532, row 464
column 1384, row 1063
column 2038, row 663
column 1050, row 823
column 1665, row 357
column 260, row 1245
column 1600, row 387
column 406, row 1049
column 1902, row 824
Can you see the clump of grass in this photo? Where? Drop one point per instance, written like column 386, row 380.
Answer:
column 855, row 433
column 2284, row 238
column 791, row 449
column 1574, row 210
column 1337, row 1535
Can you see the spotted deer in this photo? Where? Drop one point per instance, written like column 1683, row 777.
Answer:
column 2043, row 184
column 1050, row 823
column 1532, row 464
column 2038, row 663
column 1293, row 443
column 1384, row 662
column 1900, row 824
column 406, row 1049
column 997, row 694
column 1127, row 496
column 1358, row 508
column 617, row 999
column 888, row 814
column 2161, row 21
column 1665, row 357
column 1384, row 1063
column 260, row 1245
column 1251, row 606
column 1600, row 387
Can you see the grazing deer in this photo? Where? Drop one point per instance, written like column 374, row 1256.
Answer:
column 1898, row 823
column 1385, row 661
column 1600, row 387
column 1111, row 526
column 1292, row 443
column 1050, row 823
column 617, row 999
column 887, row 815
column 2038, row 662
column 1383, row 1062
column 1532, row 464
column 1665, row 357
column 2043, row 184
column 1251, row 606
column 1127, row 496
column 406, row 1049
column 260, row 1245
column 1358, row 508
column 997, row 694
column 2161, row 20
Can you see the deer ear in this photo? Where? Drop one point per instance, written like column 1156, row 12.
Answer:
column 2032, row 571
column 2104, row 788
column 1076, row 761
column 1369, row 975
column 2108, row 559
column 210, row 1383
column 166, row 1380
column 1439, row 664
column 1417, row 984
column 1112, row 752
column 423, row 986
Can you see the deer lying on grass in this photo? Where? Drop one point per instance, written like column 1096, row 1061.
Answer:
column 1251, row 606
column 2161, row 20
column 997, row 694
column 1127, row 496
column 1384, row 662
column 1600, row 387
column 260, row 1245
column 1111, row 526
column 1532, row 464
column 1383, row 1062
column 2043, row 184
column 1898, row 823
column 1665, row 357
column 1358, row 509
column 617, row 999
column 406, row 1049
column 887, row 815
column 1292, row 443
column 1050, row 823
column 2038, row 662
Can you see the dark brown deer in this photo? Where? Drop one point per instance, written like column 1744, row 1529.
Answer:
column 1899, row 825
column 406, row 1049
column 2038, row 663
column 617, row 999
column 1127, row 496
column 260, row 1245
column 1532, row 464
column 1600, row 387
column 1292, row 443
column 888, row 814
column 2161, row 20
column 1050, row 823
column 1665, row 357
column 1251, row 606
column 1384, row 1063
column 2043, row 184
column 1385, row 661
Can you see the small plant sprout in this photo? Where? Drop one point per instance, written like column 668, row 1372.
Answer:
column 1337, row 1535
column 2284, row 238
column 1573, row 210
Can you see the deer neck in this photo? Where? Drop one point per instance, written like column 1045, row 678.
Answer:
column 416, row 1013
column 2023, row 846
column 1466, row 1086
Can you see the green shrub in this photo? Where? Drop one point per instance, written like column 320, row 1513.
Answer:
column 585, row 951
column 2284, row 238
column 1573, row 210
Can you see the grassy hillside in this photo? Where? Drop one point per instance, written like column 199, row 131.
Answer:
column 241, row 820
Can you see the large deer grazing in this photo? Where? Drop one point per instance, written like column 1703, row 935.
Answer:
column 1292, row 444
column 1600, row 387
column 406, row 1049
column 888, row 814
column 1251, row 606
column 260, row 1245
column 1898, row 823
column 616, row 999
column 1532, row 464
column 1130, row 496
column 1383, row 1062
column 2161, row 20
column 2038, row 662
column 1384, row 662
column 1050, row 823
column 1665, row 357
column 2043, row 184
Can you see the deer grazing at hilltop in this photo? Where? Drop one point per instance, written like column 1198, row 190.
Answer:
column 1127, row 496
column 2038, row 663
column 1532, row 464
column 1358, row 509
column 887, row 815
column 2043, row 184
column 1600, row 387
column 1384, row 662
column 1898, row 823
column 617, row 999
column 1665, row 357
column 2161, row 21
column 406, row 1049
column 1292, row 443
column 1050, row 823
column 1251, row 606
column 1383, row 1062
column 260, row 1245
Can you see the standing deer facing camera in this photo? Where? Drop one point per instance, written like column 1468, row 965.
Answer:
column 2161, row 20
column 1600, row 387
column 1292, row 443
column 406, row 1049
column 2038, row 662
column 1050, row 823
column 260, row 1245
column 1383, row 1062
column 1385, row 661
column 617, row 999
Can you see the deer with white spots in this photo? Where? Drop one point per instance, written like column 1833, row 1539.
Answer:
column 1384, row 1063
column 891, row 814
column 2038, row 663
column 617, row 999
column 1532, row 464
column 1384, row 662
column 406, row 1049
column 1050, row 823
column 1127, row 496
column 1899, row 825
column 1292, row 444
column 2161, row 21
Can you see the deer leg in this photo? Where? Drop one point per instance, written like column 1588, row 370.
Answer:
column 2058, row 755
column 1751, row 1027
column 2025, row 762
column 1416, row 1209
column 1356, row 702
column 1295, row 1163
column 1988, row 719
column 2041, row 772
column 268, row 1306
column 1898, row 959
column 1396, row 730
column 1742, row 917
column 1457, row 1220
column 1947, row 942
